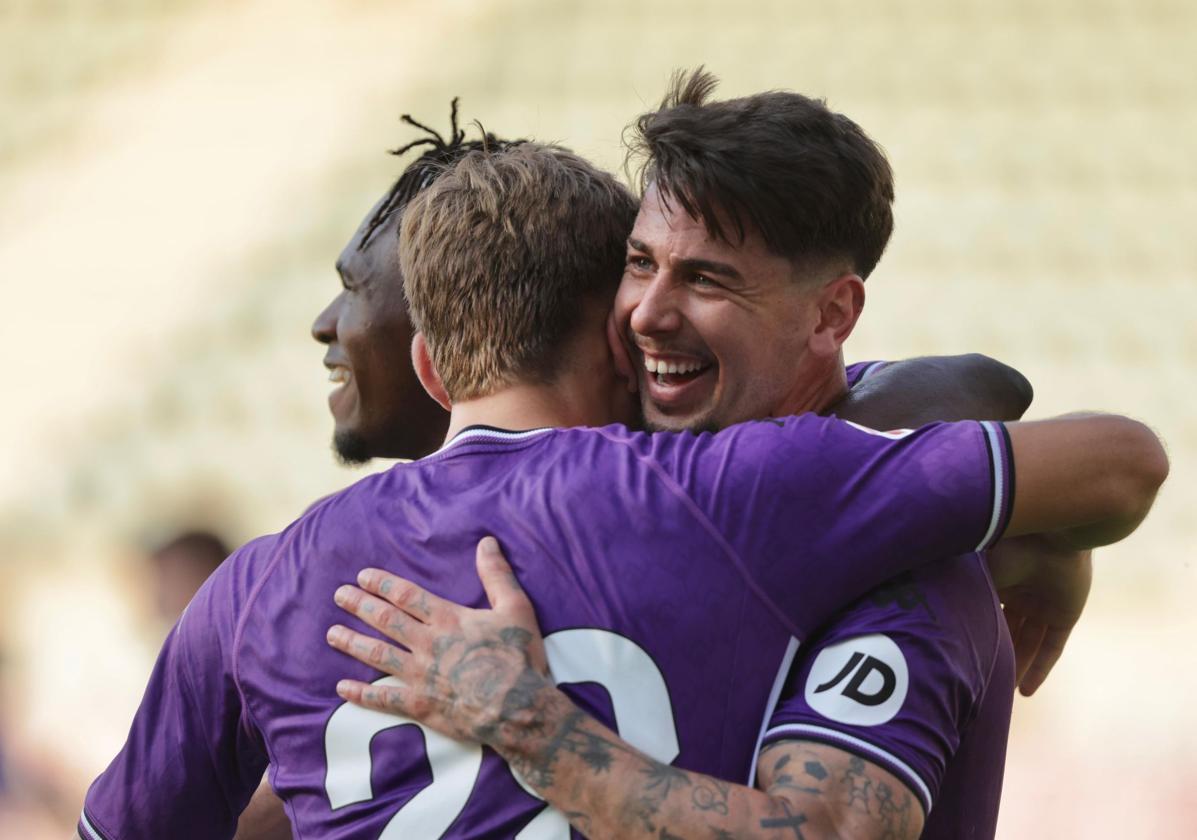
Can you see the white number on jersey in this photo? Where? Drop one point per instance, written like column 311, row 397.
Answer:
column 639, row 698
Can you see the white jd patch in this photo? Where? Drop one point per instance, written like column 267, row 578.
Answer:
column 861, row 681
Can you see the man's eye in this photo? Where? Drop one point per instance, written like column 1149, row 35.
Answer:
column 703, row 280
column 639, row 263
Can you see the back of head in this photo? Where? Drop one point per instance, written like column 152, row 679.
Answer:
column 420, row 173
column 808, row 179
column 501, row 256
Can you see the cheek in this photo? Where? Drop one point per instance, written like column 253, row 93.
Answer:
column 625, row 302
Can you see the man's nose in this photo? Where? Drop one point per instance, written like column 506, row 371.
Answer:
column 324, row 328
column 657, row 310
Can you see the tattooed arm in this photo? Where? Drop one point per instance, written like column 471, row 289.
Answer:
column 479, row 675
column 856, row 797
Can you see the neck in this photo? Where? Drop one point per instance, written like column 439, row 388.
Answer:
column 817, row 390
column 519, row 407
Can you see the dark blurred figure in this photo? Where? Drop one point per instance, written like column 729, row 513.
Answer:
column 181, row 566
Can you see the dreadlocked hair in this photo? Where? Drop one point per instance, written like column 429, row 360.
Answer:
column 425, row 169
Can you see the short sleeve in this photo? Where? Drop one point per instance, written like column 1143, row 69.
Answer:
column 860, row 371
column 191, row 761
column 819, row 510
column 897, row 678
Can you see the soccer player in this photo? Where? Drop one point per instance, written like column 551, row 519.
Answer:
column 379, row 409
column 355, row 326
column 948, row 620
column 636, row 546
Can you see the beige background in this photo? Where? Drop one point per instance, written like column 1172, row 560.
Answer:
column 176, row 180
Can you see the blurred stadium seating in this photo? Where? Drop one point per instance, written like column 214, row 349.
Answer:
column 176, row 179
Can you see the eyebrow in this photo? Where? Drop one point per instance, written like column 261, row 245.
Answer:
column 695, row 264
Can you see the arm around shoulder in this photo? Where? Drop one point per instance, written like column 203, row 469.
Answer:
column 915, row 392
column 1084, row 480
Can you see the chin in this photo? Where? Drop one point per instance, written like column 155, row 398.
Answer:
column 351, row 448
column 656, row 421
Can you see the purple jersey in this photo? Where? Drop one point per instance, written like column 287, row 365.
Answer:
column 860, row 371
column 918, row 677
column 672, row 575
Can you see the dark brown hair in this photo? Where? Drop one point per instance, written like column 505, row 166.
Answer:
column 808, row 179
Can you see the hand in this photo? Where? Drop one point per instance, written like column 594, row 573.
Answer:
column 464, row 672
column 1043, row 590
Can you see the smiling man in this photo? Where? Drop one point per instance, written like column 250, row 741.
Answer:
column 379, row 409
column 745, row 271
column 512, row 333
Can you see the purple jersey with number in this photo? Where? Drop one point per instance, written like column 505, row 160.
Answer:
column 672, row 576
column 918, row 677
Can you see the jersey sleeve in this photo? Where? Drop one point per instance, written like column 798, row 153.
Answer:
column 191, row 761
column 895, row 681
column 860, row 371
column 818, row 511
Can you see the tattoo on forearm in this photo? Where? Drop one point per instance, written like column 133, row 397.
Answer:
column 660, row 781
column 784, row 781
column 815, row 769
column 894, row 812
column 711, row 795
column 787, row 820
column 857, row 785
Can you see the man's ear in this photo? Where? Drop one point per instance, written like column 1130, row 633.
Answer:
column 421, row 362
column 840, row 303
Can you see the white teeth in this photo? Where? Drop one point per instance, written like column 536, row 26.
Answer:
column 663, row 367
column 339, row 375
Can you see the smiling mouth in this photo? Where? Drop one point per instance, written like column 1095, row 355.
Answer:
column 339, row 397
column 674, row 372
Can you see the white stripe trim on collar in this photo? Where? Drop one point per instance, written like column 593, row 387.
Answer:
column 491, row 434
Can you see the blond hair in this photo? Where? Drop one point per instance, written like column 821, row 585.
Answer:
column 500, row 256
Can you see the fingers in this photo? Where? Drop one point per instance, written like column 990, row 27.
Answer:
column 380, row 615
column 366, row 649
column 407, row 596
column 1027, row 640
column 502, row 589
column 383, row 696
column 1049, row 653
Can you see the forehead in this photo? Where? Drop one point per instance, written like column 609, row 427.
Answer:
column 672, row 234
column 381, row 251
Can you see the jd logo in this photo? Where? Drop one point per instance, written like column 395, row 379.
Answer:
column 861, row 681
column 859, row 674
